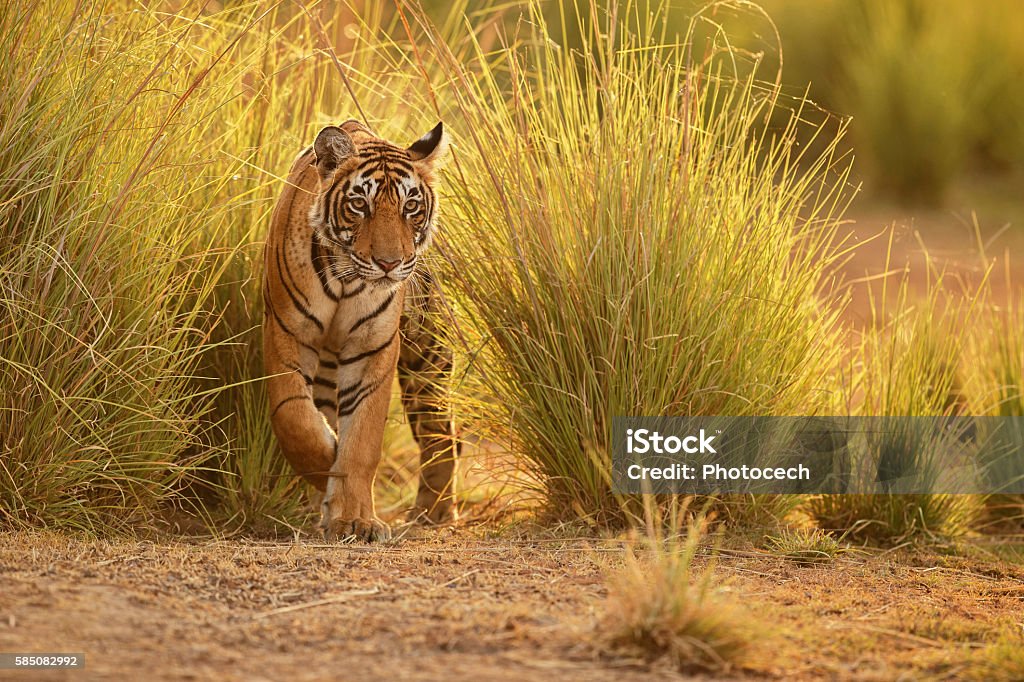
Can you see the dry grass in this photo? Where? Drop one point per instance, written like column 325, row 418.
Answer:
column 1001, row 661
column 660, row 604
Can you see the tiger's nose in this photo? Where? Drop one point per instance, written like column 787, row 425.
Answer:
column 386, row 265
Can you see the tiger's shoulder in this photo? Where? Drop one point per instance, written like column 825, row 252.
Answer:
column 300, row 189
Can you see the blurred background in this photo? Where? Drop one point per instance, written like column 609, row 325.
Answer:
column 932, row 88
column 932, row 92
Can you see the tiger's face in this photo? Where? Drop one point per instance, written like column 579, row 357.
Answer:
column 376, row 204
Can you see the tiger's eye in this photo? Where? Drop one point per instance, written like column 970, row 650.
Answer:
column 358, row 203
column 411, row 205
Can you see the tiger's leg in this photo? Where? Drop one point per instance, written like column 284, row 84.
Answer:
column 306, row 440
column 325, row 388
column 363, row 396
column 424, row 370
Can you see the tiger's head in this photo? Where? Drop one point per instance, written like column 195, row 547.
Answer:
column 376, row 202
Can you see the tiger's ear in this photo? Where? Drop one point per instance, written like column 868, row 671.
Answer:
column 332, row 146
column 430, row 148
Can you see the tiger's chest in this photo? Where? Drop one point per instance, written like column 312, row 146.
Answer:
column 367, row 316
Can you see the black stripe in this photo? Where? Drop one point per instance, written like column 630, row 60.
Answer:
column 396, row 167
column 354, row 400
column 340, row 205
column 355, row 292
column 324, row 402
column 379, row 162
column 389, row 163
column 298, row 370
column 328, row 213
column 381, row 148
column 388, row 186
column 345, row 390
column 348, row 411
column 320, row 381
column 377, row 311
column 289, row 332
column 350, row 215
column 305, row 377
column 284, row 402
column 352, row 404
column 295, row 301
column 428, row 202
column 288, row 271
column 361, row 356
column 329, row 364
column 315, row 257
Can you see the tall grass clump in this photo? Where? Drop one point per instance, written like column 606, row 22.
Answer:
column 629, row 238
column 910, row 359
column 142, row 150
column 925, row 114
column 995, row 388
column 134, row 199
column 103, row 274
column 906, row 91
column 998, row 58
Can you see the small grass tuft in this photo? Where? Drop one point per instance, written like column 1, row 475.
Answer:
column 806, row 545
column 661, row 605
column 1001, row 661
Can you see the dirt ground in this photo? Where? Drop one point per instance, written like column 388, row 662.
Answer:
column 467, row 604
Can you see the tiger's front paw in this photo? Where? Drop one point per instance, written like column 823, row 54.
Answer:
column 364, row 530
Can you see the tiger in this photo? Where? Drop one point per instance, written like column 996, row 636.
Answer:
column 348, row 304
